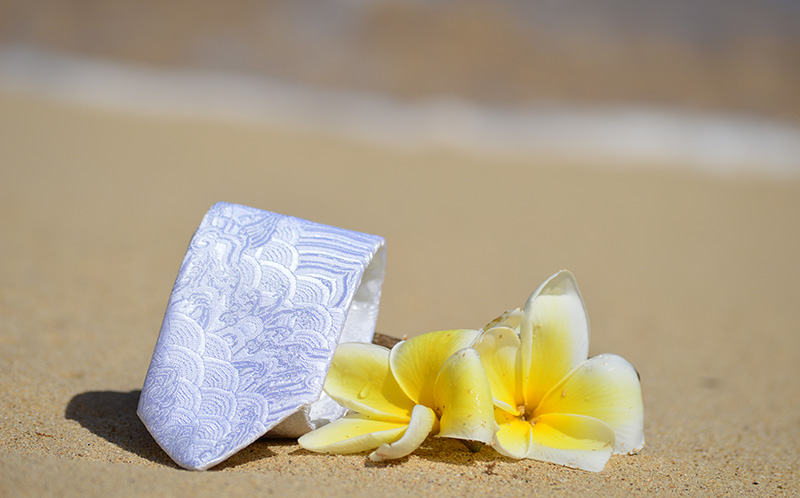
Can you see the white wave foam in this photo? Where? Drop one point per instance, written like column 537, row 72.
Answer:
column 627, row 136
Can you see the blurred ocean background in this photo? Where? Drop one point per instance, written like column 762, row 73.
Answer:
column 709, row 86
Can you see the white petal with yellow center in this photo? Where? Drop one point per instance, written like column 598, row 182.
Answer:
column 360, row 379
column 499, row 349
column 463, row 398
column 554, row 333
column 416, row 362
column 423, row 421
column 607, row 388
column 352, row 434
column 573, row 440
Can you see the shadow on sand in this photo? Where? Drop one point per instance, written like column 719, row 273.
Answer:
column 111, row 415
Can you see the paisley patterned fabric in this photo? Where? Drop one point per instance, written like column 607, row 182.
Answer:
column 259, row 305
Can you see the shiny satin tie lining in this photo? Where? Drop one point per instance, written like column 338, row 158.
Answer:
column 259, row 305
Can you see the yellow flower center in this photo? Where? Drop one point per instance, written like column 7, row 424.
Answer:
column 526, row 415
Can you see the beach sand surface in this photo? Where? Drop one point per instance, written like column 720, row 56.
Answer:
column 694, row 279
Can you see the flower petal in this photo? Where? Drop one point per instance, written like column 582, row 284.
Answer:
column 360, row 379
column 422, row 423
column 510, row 319
column 513, row 438
column 499, row 349
column 573, row 440
column 352, row 434
column 607, row 388
column 463, row 398
column 416, row 362
column 555, row 335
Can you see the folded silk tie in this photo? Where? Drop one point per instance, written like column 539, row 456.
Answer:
column 259, row 305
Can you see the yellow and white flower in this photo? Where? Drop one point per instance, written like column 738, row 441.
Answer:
column 432, row 383
column 551, row 403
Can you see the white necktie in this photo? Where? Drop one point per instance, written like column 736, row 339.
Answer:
column 259, row 305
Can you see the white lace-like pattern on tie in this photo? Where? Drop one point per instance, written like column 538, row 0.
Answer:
column 258, row 308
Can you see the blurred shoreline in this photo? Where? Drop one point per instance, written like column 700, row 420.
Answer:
column 626, row 136
column 710, row 56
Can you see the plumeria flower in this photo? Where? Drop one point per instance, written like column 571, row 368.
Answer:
column 551, row 403
column 432, row 383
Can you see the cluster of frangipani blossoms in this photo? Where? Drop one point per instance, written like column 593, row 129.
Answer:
column 523, row 385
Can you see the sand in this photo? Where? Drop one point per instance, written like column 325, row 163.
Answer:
column 694, row 279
